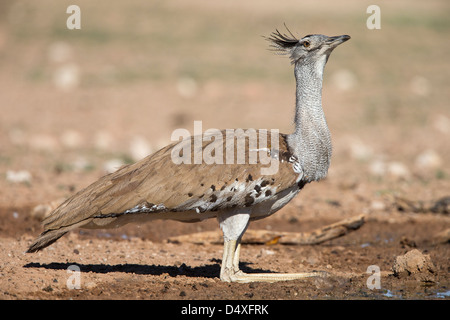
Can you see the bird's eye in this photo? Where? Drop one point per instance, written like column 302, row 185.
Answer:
column 306, row 44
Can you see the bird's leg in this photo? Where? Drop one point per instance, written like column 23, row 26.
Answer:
column 233, row 225
column 227, row 270
column 230, row 271
column 236, row 257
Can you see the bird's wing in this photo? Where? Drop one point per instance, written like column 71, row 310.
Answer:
column 158, row 184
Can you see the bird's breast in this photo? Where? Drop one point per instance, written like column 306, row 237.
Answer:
column 272, row 205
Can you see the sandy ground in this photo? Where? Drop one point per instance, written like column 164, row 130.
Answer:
column 119, row 266
column 77, row 105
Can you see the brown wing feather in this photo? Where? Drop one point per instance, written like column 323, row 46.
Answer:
column 158, row 181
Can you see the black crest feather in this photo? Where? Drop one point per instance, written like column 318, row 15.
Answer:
column 282, row 42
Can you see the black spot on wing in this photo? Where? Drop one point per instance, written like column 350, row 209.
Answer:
column 301, row 184
column 248, row 200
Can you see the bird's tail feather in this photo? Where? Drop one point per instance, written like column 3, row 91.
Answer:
column 45, row 239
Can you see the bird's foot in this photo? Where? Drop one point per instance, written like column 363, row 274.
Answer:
column 230, row 275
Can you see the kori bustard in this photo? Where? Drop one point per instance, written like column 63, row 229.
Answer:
column 235, row 193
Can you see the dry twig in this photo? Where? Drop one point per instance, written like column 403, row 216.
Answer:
column 317, row 236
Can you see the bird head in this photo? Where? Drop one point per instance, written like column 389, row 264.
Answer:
column 311, row 49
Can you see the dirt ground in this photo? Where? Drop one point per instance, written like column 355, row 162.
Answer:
column 76, row 104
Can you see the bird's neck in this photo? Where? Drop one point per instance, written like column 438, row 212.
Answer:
column 311, row 141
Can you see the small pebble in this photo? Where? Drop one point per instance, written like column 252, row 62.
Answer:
column 21, row 176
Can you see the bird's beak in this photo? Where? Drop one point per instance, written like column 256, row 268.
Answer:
column 333, row 42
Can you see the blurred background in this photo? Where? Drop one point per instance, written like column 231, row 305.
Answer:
column 75, row 104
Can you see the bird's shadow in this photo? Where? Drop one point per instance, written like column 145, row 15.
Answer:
column 206, row 271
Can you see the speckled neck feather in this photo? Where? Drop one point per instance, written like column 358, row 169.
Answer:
column 311, row 140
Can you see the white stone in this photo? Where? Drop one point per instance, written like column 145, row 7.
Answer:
column 67, row 77
column 71, row 139
column 113, row 165
column 398, row 170
column 377, row 168
column 103, row 140
column 428, row 159
column 18, row 176
column 44, row 142
column 139, row 148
